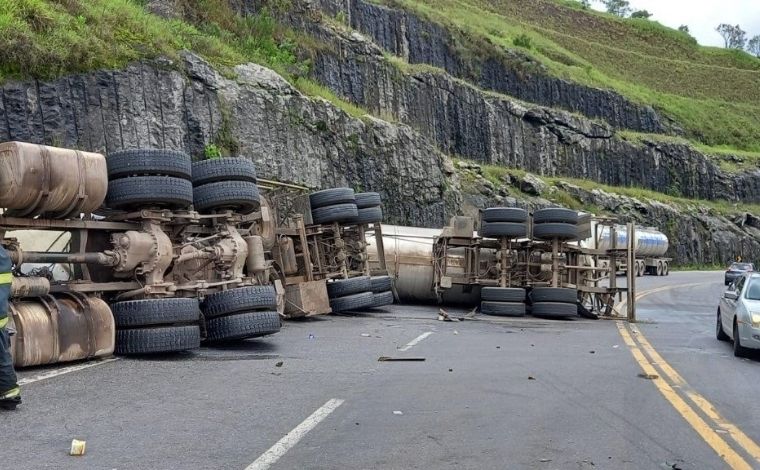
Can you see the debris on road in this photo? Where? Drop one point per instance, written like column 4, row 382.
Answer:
column 443, row 315
column 544, row 460
column 279, row 364
column 77, row 447
column 398, row 413
column 456, row 332
column 365, row 335
column 592, row 352
column 451, row 370
column 400, row 359
column 649, row 376
column 530, row 377
column 311, row 336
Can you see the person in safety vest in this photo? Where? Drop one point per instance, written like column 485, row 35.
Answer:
column 10, row 393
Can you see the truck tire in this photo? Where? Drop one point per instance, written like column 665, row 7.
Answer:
column 242, row 326
column 665, row 268
column 223, row 169
column 148, row 162
column 239, row 300
column 368, row 215
column 502, row 294
column 382, row 299
column 344, row 287
column 555, row 215
column 502, row 309
column 241, row 196
column 162, row 339
column 352, row 302
column 147, row 312
column 366, row 200
column 554, row 294
column 381, row 283
column 140, row 192
column 334, row 213
column 550, row 230
column 554, row 310
column 331, row 197
column 502, row 229
column 659, row 268
column 504, row 214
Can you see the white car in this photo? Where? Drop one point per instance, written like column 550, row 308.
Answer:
column 739, row 314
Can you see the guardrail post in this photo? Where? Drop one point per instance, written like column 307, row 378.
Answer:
column 631, row 273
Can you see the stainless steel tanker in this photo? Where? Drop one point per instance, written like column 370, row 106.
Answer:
column 651, row 246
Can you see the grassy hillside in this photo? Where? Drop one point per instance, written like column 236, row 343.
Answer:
column 714, row 93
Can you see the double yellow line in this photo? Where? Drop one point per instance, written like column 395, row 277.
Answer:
column 667, row 380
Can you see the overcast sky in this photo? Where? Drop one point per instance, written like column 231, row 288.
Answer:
column 702, row 16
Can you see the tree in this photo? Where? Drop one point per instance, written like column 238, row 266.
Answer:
column 641, row 14
column 618, row 7
column 586, row 4
column 684, row 29
column 753, row 46
column 734, row 37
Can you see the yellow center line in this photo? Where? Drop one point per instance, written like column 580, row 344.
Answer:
column 702, row 403
column 718, row 444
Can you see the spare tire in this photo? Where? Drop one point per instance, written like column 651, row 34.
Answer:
column 354, row 285
column 149, row 312
column 336, row 213
column 141, row 192
column 239, row 300
column 223, row 169
column 241, row 196
column 352, row 302
column 504, row 214
column 365, row 200
column 243, row 325
column 502, row 294
column 148, row 162
column 368, row 215
column 554, row 310
column 502, row 309
column 503, row 229
column 157, row 340
column 561, row 231
column 331, row 197
column 555, row 214
column 554, row 294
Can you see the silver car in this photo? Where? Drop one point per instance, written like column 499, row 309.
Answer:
column 739, row 314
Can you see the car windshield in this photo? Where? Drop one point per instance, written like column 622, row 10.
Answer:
column 741, row 267
column 753, row 289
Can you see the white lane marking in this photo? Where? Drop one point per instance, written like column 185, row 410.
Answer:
column 64, row 370
column 416, row 340
column 274, row 453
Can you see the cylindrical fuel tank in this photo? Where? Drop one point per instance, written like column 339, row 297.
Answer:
column 649, row 242
column 409, row 258
column 67, row 327
column 56, row 182
column 255, row 262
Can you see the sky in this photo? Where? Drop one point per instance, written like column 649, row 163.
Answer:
column 702, row 16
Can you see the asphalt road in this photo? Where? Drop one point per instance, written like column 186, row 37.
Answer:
column 491, row 393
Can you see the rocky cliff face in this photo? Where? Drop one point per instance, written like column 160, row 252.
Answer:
column 186, row 106
column 483, row 126
column 421, row 41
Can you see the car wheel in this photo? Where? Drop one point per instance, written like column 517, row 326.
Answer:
column 739, row 350
column 720, row 334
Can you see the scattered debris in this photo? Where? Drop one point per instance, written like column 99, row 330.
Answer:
column 400, row 359
column 399, row 413
column 279, row 364
column 721, row 431
column 649, row 376
column 366, row 335
column 544, row 460
column 592, row 352
column 498, row 347
column 443, row 315
column 530, row 377
column 451, row 370
column 616, row 346
column 77, row 447
column 456, row 332
column 472, row 313
column 311, row 336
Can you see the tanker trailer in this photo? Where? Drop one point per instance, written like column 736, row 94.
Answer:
column 650, row 244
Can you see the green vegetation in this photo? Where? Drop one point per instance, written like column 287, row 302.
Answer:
column 211, row 151
column 713, row 93
column 49, row 38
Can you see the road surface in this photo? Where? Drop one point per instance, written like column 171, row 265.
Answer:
column 491, row 393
